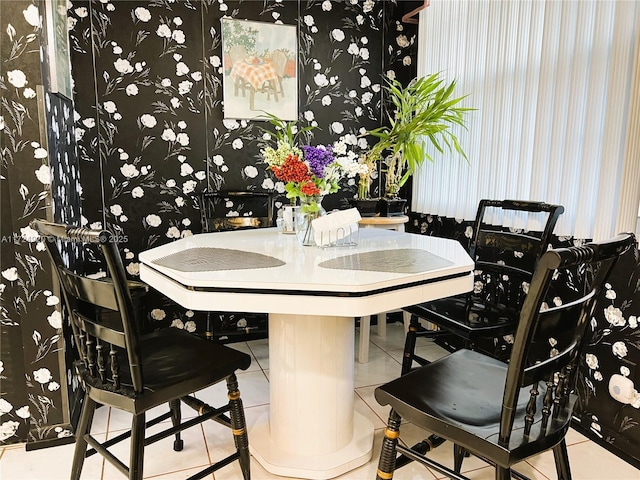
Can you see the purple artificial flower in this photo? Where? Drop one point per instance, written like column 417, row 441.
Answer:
column 318, row 158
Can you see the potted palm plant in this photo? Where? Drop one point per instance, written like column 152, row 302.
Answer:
column 423, row 111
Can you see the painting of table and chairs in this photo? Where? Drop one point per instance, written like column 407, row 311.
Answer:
column 260, row 69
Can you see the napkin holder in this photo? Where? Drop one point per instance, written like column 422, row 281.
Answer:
column 337, row 229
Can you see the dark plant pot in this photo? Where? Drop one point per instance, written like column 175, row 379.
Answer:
column 368, row 207
column 391, row 207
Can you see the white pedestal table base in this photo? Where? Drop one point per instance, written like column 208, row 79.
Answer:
column 312, row 430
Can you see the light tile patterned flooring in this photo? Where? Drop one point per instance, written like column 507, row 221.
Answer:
column 202, row 444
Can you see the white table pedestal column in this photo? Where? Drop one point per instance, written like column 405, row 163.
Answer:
column 312, row 430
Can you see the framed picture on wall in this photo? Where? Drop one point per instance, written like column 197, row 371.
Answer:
column 58, row 47
column 260, row 69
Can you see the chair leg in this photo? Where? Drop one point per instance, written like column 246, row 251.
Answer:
column 176, row 417
column 84, row 427
column 239, row 426
column 136, row 455
column 561, row 457
column 503, row 473
column 410, row 345
column 387, row 461
column 458, row 456
column 365, row 326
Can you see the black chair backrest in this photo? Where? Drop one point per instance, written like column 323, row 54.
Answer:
column 506, row 257
column 231, row 210
column 549, row 338
column 102, row 314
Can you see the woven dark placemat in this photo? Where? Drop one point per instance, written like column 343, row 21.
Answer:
column 406, row 260
column 208, row 259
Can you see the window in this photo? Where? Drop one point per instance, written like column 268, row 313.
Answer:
column 557, row 95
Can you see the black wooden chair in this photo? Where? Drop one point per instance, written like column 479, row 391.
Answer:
column 505, row 413
column 231, row 210
column 505, row 260
column 122, row 368
column 226, row 210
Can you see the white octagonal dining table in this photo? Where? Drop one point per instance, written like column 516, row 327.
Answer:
column 311, row 295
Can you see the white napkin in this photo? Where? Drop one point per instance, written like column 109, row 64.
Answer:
column 336, row 225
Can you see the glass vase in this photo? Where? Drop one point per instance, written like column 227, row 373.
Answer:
column 310, row 209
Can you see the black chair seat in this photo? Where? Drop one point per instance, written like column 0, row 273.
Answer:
column 464, row 392
column 471, row 321
column 175, row 361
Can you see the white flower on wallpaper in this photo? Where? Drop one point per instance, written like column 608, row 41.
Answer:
column 42, row 375
column 153, row 220
column 142, row 14
column 147, row 120
column 17, row 78
column 32, row 15
column 55, row 320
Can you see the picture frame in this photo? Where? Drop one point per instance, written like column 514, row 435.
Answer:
column 260, row 70
column 58, row 47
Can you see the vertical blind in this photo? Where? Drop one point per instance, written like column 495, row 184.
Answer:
column 556, row 88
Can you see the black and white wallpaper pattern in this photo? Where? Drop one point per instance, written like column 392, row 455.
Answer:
column 150, row 134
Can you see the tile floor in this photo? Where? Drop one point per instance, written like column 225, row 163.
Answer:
column 588, row 460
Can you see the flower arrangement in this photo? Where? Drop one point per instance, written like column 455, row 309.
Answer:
column 309, row 172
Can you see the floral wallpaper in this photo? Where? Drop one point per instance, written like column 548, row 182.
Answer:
column 144, row 134
column 37, row 157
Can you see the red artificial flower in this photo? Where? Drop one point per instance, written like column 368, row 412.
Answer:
column 309, row 188
column 292, row 170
